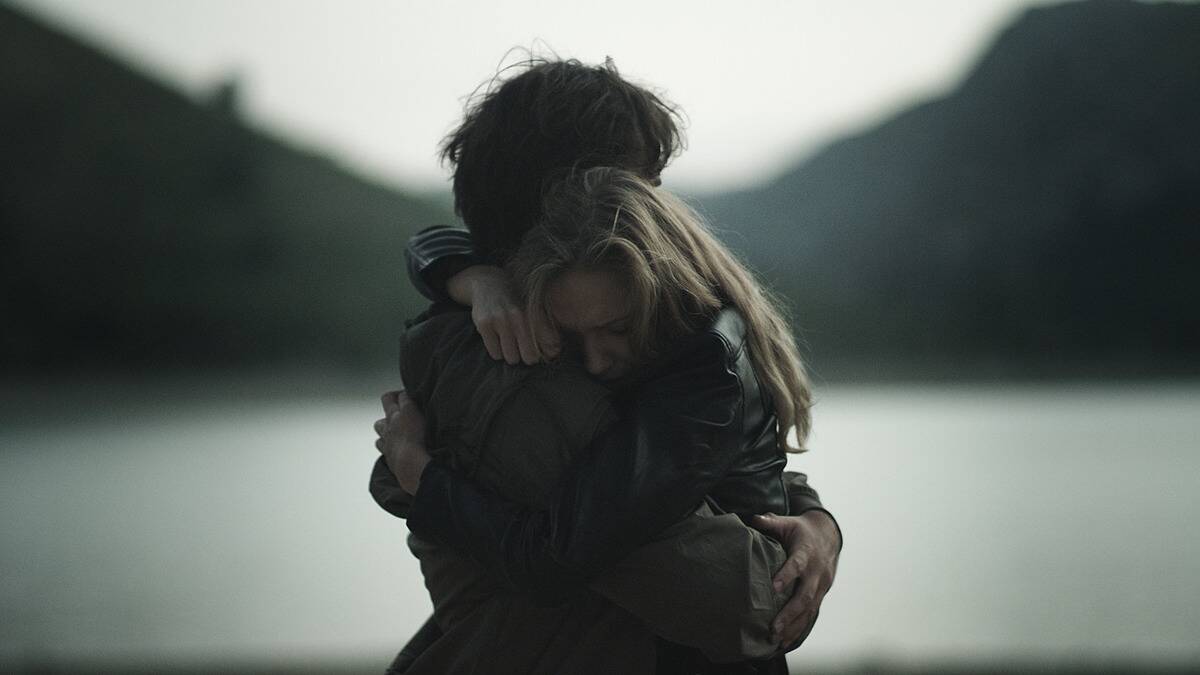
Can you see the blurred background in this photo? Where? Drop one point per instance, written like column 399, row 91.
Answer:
column 984, row 217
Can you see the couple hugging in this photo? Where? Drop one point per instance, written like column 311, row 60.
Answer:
column 590, row 446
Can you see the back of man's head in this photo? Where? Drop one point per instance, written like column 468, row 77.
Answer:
column 551, row 117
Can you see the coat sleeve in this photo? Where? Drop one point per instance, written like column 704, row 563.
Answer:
column 435, row 254
column 678, row 437
column 706, row 583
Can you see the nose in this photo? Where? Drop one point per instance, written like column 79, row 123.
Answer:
column 595, row 360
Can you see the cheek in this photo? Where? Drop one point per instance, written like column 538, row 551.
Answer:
column 623, row 346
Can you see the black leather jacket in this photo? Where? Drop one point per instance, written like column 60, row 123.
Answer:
column 697, row 426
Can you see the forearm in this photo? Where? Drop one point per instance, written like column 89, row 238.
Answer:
column 468, row 280
column 704, row 582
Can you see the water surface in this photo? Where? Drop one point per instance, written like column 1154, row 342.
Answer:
column 1043, row 522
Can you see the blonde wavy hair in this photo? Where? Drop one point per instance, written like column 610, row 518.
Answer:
column 678, row 276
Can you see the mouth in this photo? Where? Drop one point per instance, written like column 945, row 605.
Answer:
column 613, row 374
column 618, row 380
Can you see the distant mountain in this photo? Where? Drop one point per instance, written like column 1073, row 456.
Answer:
column 1042, row 218
column 141, row 228
column 1045, row 215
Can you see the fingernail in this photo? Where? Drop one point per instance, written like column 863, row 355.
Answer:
column 778, row 585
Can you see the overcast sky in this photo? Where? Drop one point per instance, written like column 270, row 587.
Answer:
column 376, row 83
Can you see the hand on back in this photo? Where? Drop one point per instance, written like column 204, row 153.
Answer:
column 813, row 544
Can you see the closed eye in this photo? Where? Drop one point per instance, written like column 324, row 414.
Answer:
column 618, row 326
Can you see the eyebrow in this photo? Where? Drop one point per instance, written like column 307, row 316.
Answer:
column 619, row 319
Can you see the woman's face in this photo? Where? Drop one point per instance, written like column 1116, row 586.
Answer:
column 592, row 309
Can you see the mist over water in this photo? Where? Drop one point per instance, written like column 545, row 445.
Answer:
column 995, row 522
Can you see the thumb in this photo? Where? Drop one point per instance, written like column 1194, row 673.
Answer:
column 767, row 523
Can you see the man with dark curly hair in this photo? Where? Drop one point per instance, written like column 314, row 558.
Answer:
column 521, row 134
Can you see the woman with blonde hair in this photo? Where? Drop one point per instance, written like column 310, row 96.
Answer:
column 705, row 375
column 607, row 228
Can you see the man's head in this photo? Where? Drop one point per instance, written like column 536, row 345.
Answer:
column 552, row 117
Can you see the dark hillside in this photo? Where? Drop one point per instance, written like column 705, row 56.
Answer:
column 1044, row 214
column 141, row 228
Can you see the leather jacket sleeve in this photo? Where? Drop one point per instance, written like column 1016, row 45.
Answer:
column 802, row 498
column 681, row 431
column 435, row 254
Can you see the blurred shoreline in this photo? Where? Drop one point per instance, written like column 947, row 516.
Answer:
column 865, row 667
column 88, row 397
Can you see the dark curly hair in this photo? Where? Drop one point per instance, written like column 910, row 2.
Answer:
column 552, row 117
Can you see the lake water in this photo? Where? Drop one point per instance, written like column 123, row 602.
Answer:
column 985, row 522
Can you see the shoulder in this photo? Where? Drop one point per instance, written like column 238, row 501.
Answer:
column 433, row 330
column 701, row 372
column 729, row 328
column 425, row 343
column 719, row 344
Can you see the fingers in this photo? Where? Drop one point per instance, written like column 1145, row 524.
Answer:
column 508, row 345
column 530, row 354
column 801, row 560
column 797, row 630
column 507, row 336
column 769, row 524
column 499, row 330
column 497, row 314
column 775, row 527
column 792, row 570
column 803, row 603
column 401, row 414
column 391, row 403
column 794, row 632
column 491, row 342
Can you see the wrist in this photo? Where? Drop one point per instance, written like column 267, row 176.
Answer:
column 416, row 471
column 407, row 461
column 827, row 531
column 462, row 286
